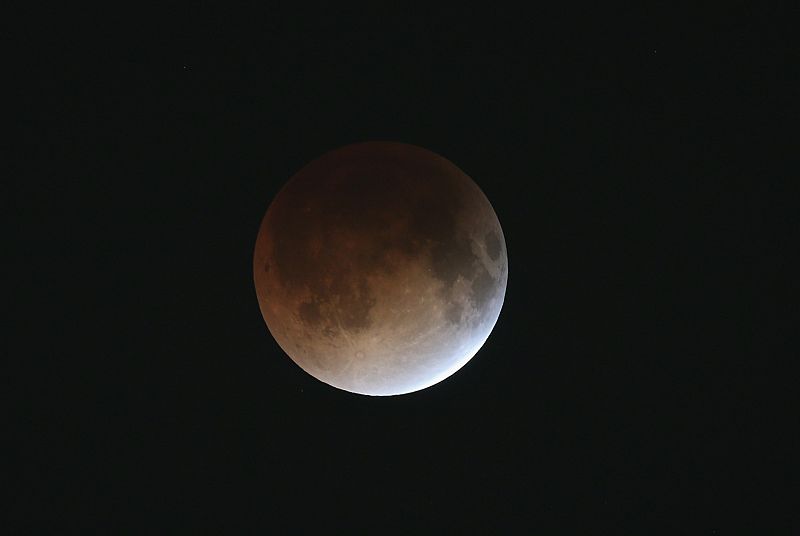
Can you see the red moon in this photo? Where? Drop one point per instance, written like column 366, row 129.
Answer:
column 380, row 268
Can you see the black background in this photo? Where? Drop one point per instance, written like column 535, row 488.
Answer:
column 628, row 382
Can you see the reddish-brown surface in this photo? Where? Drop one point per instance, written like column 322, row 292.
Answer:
column 380, row 268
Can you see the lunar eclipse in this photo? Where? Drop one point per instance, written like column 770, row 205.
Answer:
column 380, row 268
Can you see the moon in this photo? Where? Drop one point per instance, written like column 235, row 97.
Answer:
column 380, row 268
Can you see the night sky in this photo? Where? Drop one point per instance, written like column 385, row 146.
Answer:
column 629, row 381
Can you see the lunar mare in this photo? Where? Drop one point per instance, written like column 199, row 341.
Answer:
column 380, row 268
